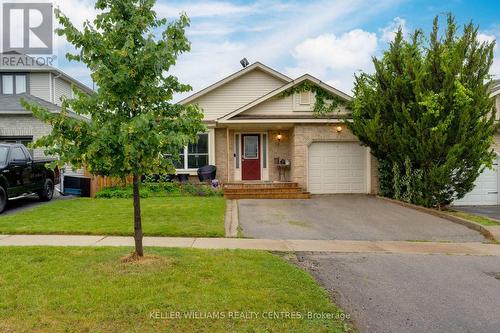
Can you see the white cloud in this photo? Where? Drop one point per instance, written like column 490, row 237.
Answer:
column 388, row 33
column 203, row 9
column 286, row 28
column 482, row 37
column 489, row 38
column 223, row 32
column 335, row 59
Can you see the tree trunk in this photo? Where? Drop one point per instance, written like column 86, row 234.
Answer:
column 137, row 218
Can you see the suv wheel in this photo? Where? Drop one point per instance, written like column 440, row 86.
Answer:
column 3, row 199
column 48, row 190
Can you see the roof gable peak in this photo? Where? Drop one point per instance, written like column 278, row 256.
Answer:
column 255, row 66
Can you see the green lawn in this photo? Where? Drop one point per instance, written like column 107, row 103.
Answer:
column 475, row 218
column 55, row 289
column 174, row 216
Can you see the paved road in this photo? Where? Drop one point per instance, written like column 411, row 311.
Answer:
column 20, row 205
column 412, row 293
column 346, row 217
column 486, row 211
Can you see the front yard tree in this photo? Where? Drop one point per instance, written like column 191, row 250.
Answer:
column 426, row 114
column 132, row 123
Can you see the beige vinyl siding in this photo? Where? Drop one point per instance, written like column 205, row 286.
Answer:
column 273, row 106
column 39, row 85
column 237, row 93
column 61, row 88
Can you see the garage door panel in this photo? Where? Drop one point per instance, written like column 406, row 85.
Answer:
column 337, row 167
column 485, row 191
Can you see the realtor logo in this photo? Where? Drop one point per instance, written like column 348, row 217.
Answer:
column 27, row 28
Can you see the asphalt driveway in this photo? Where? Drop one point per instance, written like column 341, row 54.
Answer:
column 345, row 217
column 492, row 212
column 16, row 206
column 411, row 293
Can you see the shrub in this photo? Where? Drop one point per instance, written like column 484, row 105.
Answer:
column 160, row 189
column 125, row 192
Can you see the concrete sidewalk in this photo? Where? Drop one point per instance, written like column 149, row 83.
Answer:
column 341, row 246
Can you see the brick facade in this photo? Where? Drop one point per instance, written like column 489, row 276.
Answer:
column 24, row 126
column 293, row 146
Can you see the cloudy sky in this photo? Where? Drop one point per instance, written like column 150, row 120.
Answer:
column 330, row 39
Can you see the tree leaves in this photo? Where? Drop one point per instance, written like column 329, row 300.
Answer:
column 130, row 123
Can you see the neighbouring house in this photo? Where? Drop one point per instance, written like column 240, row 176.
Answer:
column 253, row 128
column 487, row 185
column 42, row 84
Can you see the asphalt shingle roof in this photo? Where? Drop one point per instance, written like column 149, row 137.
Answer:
column 13, row 103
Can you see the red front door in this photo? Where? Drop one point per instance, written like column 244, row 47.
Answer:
column 250, row 159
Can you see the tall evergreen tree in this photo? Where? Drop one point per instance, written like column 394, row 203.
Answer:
column 427, row 106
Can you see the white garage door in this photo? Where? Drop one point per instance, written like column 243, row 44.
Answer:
column 485, row 191
column 337, row 167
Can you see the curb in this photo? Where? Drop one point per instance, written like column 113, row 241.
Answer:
column 469, row 224
column 231, row 219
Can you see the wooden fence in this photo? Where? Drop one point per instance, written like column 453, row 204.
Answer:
column 98, row 183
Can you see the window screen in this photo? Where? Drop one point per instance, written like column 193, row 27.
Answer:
column 237, row 150
column 198, row 153
column 264, row 151
column 20, row 84
column 7, row 84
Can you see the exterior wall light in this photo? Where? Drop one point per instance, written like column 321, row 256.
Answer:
column 338, row 128
column 279, row 137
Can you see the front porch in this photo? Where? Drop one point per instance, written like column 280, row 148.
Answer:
column 254, row 153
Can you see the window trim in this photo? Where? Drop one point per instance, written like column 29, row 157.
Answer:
column 186, row 155
column 14, row 85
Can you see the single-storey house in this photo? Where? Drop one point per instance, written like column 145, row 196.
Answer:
column 258, row 134
column 253, row 127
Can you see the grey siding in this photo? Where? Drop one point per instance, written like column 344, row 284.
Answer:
column 39, row 85
column 61, row 88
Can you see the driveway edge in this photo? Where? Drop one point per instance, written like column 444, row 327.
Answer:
column 231, row 219
column 483, row 230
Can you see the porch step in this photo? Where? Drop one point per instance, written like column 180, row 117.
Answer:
column 264, row 190
column 261, row 185
column 267, row 195
column 267, row 190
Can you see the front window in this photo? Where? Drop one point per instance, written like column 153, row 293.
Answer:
column 195, row 155
column 14, row 84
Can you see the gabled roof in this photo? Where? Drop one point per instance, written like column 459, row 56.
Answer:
column 284, row 88
column 254, row 66
column 11, row 104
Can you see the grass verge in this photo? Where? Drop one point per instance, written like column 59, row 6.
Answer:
column 56, row 289
column 474, row 218
column 175, row 216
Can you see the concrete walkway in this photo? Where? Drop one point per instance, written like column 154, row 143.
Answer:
column 341, row 246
